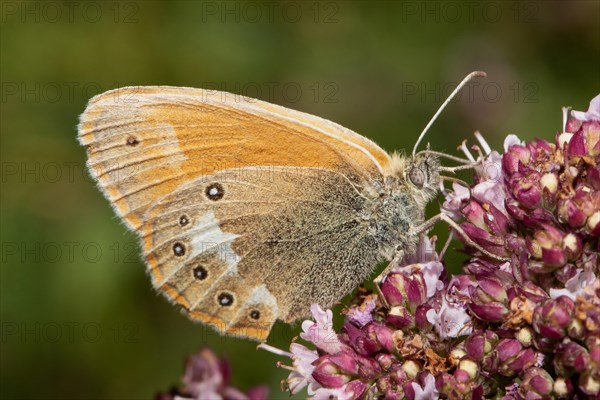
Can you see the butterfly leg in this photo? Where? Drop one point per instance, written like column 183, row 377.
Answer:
column 425, row 226
column 453, row 170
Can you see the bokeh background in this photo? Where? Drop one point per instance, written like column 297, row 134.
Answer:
column 79, row 317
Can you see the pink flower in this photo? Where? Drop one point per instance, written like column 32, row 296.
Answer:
column 207, row 377
column 427, row 391
column 321, row 332
column 450, row 320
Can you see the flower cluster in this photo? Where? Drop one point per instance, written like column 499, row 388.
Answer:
column 524, row 324
column 207, row 377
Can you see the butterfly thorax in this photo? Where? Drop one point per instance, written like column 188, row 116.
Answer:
column 409, row 184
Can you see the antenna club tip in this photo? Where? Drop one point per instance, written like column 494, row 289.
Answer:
column 479, row 73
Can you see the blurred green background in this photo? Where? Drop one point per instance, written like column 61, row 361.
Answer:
column 79, row 317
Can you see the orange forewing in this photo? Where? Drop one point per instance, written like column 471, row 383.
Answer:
column 144, row 142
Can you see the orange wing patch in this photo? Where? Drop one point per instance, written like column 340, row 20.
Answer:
column 144, row 142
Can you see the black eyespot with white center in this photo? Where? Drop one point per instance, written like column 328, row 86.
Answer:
column 225, row 299
column 200, row 273
column 184, row 220
column 132, row 141
column 255, row 314
column 178, row 249
column 214, row 191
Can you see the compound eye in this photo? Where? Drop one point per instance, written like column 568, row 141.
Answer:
column 417, row 176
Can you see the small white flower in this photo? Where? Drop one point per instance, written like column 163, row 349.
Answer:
column 455, row 201
column 321, row 332
column 451, row 320
column 576, row 285
column 362, row 315
column 428, row 391
column 512, row 140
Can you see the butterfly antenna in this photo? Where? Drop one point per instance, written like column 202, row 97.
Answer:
column 448, row 100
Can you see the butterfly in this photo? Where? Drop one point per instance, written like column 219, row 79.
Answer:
column 249, row 212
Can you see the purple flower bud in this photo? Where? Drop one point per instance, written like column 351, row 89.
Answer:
column 360, row 341
column 536, row 384
column 497, row 222
column 391, row 384
column 421, row 321
column 577, row 146
column 328, row 373
column 570, row 357
column 508, row 349
column 400, row 317
column 526, row 189
column 402, row 290
column 513, row 358
column 493, row 244
column 380, row 335
column 386, row 360
column 368, row 368
column 356, row 389
column 492, row 312
column 346, row 361
column 532, row 292
column 553, row 317
column 392, row 289
column 593, row 177
column 491, row 289
column 480, row 343
column 524, row 359
column 542, row 151
column 515, row 156
column 475, row 346
column 489, row 299
column 554, row 257
column 578, row 209
column 490, row 362
column 450, row 387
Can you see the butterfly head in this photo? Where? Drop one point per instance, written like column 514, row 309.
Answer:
column 418, row 175
column 423, row 176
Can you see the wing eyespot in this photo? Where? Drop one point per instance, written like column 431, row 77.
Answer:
column 225, row 299
column 132, row 141
column 255, row 314
column 184, row 220
column 200, row 273
column 214, row 191
column 178, row 249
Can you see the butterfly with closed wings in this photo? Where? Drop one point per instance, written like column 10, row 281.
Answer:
column 249, row 212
